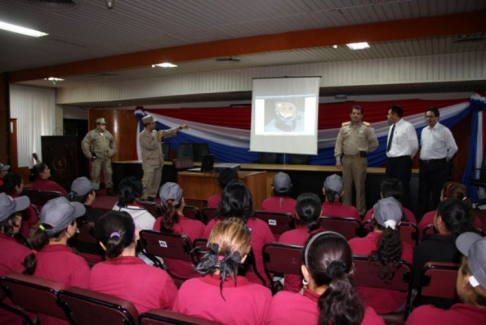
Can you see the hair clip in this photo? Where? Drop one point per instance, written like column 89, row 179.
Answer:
column 41, row 227
column 115, row 234
column 34, row 252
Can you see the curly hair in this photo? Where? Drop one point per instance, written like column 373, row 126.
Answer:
column 388, row 250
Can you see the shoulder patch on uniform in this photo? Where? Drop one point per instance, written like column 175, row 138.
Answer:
column 346, row 123
column 366, row 124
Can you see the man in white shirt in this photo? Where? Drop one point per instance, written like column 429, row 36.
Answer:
column 402, row 145
column 437, row 148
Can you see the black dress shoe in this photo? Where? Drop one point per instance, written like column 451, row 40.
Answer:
column 109, row 192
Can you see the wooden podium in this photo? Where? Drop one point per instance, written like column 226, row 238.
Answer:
column 198, row 187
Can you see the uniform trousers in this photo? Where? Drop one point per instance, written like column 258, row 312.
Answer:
column 151, row 181
column 354, row 170
column 401, row 169
column 97, row 166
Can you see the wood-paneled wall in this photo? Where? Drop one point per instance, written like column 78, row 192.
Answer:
column 123, row 125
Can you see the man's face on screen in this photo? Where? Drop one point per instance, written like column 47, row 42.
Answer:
column 356, row 116
column 286, row 111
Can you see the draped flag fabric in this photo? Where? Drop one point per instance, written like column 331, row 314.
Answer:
column 227, row 129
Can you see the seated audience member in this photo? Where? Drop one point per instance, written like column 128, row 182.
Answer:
column 384, row 244
column 328, row 296
column 307, row 213
column 83, row 191
column 332, row 207
column 39, row 177
column 281, row 201
column 392, row 187
column 174, row 221
column 452, row 219
column 471, row 288
column 130, row 190
column 225, row 176
column 451, row 190
column 125, row 276
column 12, row 254
column 3, row 171
column 221, row 295
column 236, row 201
column 13, row 185
column 51, row 258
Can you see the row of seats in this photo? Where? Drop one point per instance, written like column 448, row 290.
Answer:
column 80, row 306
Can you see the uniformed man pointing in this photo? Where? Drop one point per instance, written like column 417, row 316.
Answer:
column 355, row 139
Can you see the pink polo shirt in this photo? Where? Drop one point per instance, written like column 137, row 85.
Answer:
column 129, row 278
column 260, row 235
column 59, row 263
column 282, row 204
column 408, row 215
column 47, row 185
column 428, row 219
column 12, row 255
column 192, row 228
column 382, row 300
column 213, row 201
column 337, row 210
column 302, row 308
column 297, row 236
column 243, row 302
column 457, row 314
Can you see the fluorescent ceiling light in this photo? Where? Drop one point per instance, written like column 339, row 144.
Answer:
column 358, row 46
column 164, row 65
column 21, row 30
column 54, row 79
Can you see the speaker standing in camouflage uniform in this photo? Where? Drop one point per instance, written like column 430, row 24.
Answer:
column 355, row 139
column 99, row 146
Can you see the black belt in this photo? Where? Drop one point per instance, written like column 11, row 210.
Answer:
column 400, row 157
column 433, row 160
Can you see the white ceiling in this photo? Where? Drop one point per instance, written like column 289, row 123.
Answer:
column 90, row 30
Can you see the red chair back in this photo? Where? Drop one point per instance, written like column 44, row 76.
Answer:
column 167, row 317
column 438, row 280
column 85, row 237
column 87, row 307
column 192, row 212
column 46, row 196
column 34, row 294
column 200, row 245
column 348, row 227
column 151, row 207
column 167, row 245
column 409, row 233
column 208, row 214
column 282, row 259
column 278, row 222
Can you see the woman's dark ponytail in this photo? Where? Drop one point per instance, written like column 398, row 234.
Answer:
column 456, row 216
column 340, row 304
column 116, row 231
column 171, row 217
column 389, row 250
column 308, row 208
column 38, row 241
column 36, row 170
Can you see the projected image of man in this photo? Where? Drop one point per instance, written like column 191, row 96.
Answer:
column 287, row 118
column 355, row 139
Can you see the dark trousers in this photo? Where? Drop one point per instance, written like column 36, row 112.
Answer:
column 401, row 169
column 432, row 177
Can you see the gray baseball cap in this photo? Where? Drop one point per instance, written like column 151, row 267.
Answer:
column 60, row 213
column 82, row 186
column 473, row 246
column 333, row 183
column 282, row 183
column 170, row 191
column 4, row 167
column 388, row 212
column 8, row 205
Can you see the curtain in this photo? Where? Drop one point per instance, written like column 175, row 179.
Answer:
column 35, row 111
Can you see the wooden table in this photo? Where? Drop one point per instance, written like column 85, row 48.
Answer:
column 198, row 187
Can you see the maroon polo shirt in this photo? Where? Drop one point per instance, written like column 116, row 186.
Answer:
column 337, row 210
column 213, row 201
column 282, row 204
column 461, row 314
column 47, row 185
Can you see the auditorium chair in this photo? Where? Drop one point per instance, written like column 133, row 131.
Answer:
column 35, row 198
column 87, row 307
column 167, row 245
column 86, row 243
column 438, row 281
column 429, row 230
column 36, row 295
column 46, row 196
column 11, row 309
column 208, row 214
column 199, row 150
column 267, row 158
column 278, row 222
column 167, row 317
column 166, row 151
column 299, row 159
column 184, row 150
column 366, row 274
column 151, row 207
column 281, row 259
column 192, row 212
column 200, row 245
column 348, row 227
